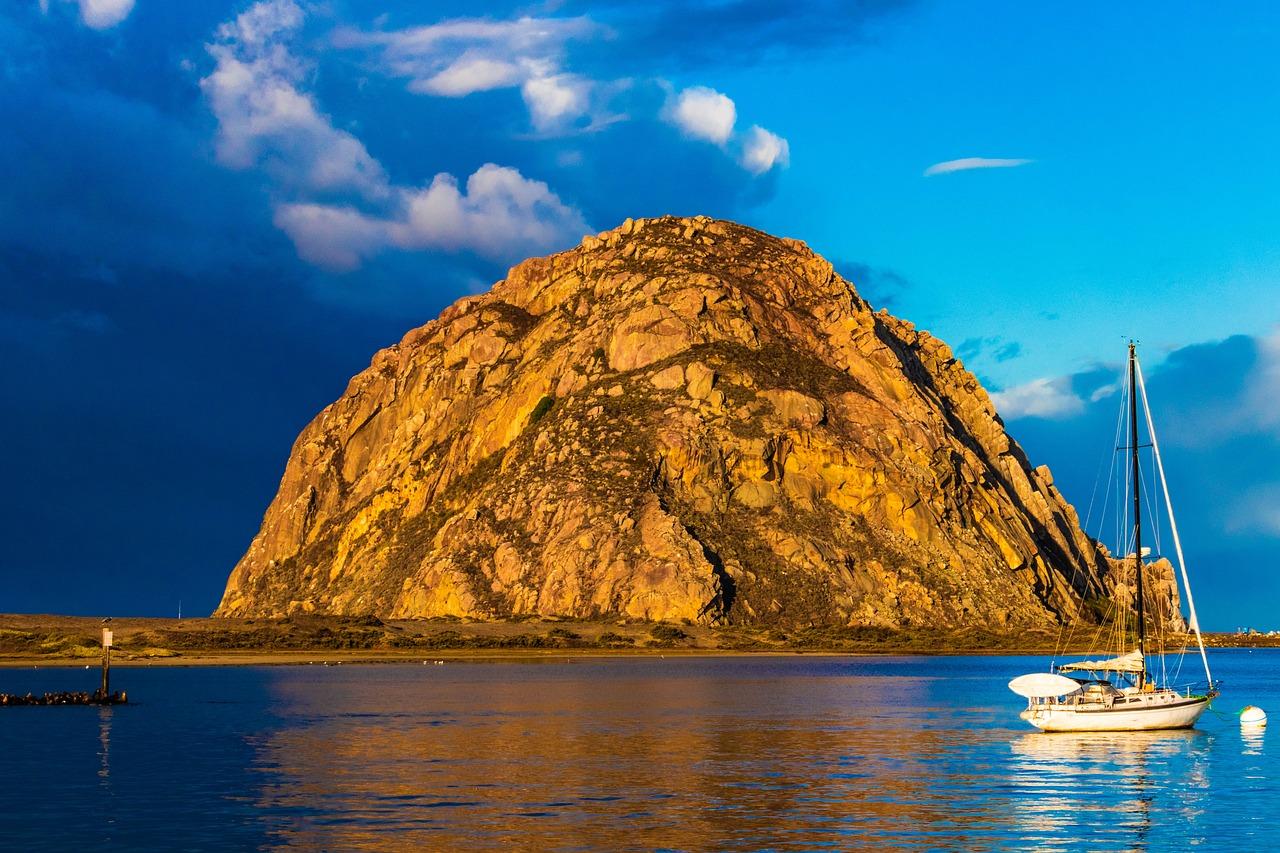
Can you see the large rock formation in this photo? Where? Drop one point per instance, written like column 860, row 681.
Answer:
column 680, row 418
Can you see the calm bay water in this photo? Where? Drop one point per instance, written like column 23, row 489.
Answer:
column 783, row 753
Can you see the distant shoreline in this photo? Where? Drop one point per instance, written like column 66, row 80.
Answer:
column 42, row 640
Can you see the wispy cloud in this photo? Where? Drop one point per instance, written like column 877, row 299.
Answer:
column 462, row 56
column 965, row 164
column 1102, row 392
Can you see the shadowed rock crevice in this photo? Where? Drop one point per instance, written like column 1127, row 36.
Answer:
column 678, row 419
column 719, row 607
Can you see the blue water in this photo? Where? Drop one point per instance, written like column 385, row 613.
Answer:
column 780, row 753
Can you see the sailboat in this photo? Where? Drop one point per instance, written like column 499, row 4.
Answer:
column 1124, row 692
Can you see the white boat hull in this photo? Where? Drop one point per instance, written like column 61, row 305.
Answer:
column 1063, row 718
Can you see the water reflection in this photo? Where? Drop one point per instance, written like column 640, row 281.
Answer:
column 703, row 755
column 104, row 744
column 1118, row 776
column 591, row 759
column 1252, row 740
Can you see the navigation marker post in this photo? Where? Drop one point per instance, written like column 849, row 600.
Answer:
column 106, row 661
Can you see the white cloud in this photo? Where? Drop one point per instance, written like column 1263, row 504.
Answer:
column 703, row 113
column 99, row 14
column 964, row 164
column 762, row 150
column 500, row 208
column 266, row 120
column 1039, row 398
column 500, row 213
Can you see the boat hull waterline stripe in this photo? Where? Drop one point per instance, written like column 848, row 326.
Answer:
column 1182, row 715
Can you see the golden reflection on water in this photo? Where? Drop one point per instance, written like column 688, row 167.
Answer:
column 617, row 756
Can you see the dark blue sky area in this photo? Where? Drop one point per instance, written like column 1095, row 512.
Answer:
column 211, row 216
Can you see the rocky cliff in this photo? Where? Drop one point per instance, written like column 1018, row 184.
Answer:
column 679, row 418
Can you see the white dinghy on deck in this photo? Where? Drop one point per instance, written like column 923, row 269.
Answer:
column 1042, row 685
column 1122, row 693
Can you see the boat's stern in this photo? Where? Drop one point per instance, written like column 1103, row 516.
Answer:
column 1035, row 716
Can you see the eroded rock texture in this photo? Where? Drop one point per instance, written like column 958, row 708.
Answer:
column 680, row 418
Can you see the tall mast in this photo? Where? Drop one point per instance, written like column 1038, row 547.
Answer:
column 1137, row 509
column 1173, row 526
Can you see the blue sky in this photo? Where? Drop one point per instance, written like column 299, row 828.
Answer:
column 214, row 213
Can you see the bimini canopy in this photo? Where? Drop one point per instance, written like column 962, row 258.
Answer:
column 1131, row 662
column 1038, row 685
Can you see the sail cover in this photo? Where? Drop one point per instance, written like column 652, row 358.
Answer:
column 1131, row 662
column 1041, row 684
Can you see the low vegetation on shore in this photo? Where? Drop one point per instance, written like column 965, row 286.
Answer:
column 60, row 639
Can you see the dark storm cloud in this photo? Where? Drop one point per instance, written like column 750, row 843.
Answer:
column 110, row 148
column 111, row 179
column 1218, row 465
column 153, row 426
column 161, row 344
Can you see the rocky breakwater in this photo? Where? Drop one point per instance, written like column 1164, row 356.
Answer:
column 677, row 419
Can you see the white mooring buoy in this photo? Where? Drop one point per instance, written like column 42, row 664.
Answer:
column 1252, row 717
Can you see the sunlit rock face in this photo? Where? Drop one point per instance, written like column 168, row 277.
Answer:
column 679, row 418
